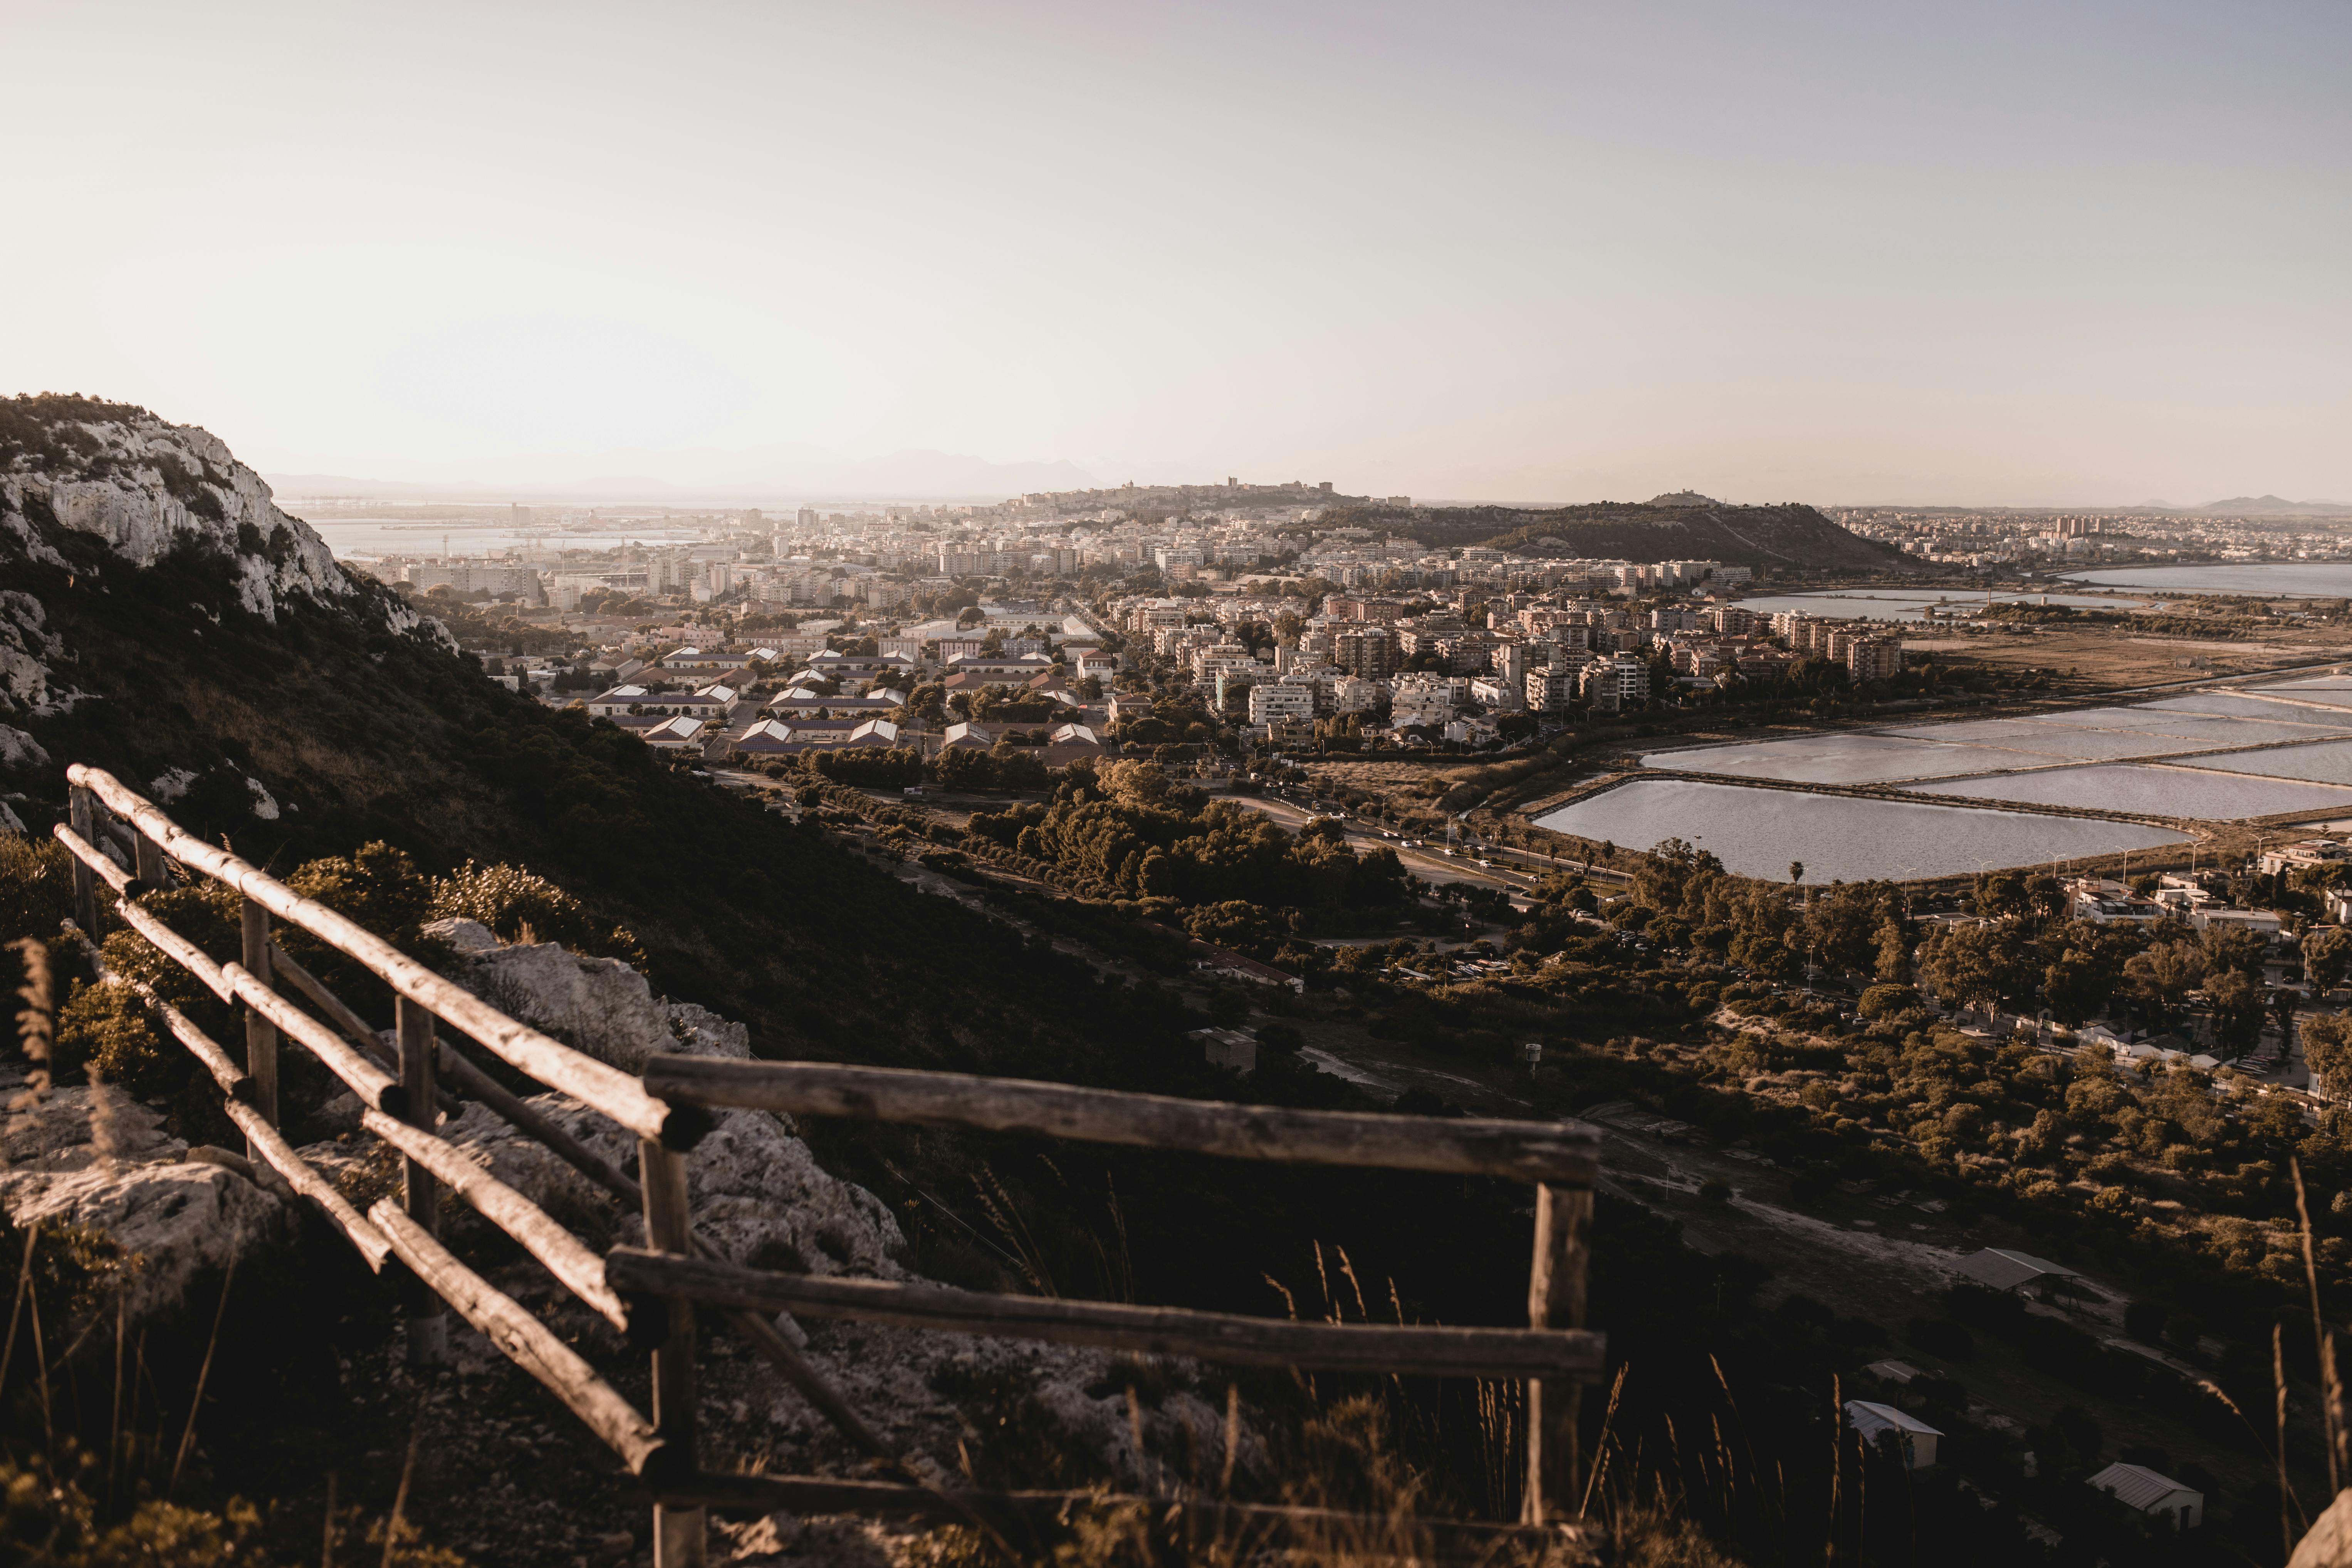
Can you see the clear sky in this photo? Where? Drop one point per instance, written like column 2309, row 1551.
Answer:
column 1988, row 252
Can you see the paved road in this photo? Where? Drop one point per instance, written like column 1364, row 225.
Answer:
column 1430, row 865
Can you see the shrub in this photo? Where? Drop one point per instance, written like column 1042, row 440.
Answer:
column 35, row 886
column 522, row 905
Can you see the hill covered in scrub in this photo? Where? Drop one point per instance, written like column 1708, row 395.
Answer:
column 1678, row 527
column 165, row 620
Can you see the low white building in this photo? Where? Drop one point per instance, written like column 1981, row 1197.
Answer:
column 1913, row 1438
column 2159, row 1496
column 2264, row 924
column 1499, row 694
column 2305, row 855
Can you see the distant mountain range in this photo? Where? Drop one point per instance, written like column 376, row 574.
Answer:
column 2274, row 506
column 901, row 476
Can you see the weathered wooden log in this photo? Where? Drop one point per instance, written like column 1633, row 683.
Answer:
column 1421, row 1350
column 203, row 1047
column 339, row 1013
column 420, row 1195
column 526, row 1341
column 354, row 1027
column 275, row 1152
column 679, row 1532
column 606, row 1088
column 1556, row 1300
column 96, row 861
column 562, row 1254
column 154, row 871
column 176, row 948
column 374, row 1086
column 266, row 1142
column 1564, row 1153
column 1337, row 1534
column 82, row 814
column 520, row 1114
column 172, row 945
column 260, row 1025
column 756, row 1330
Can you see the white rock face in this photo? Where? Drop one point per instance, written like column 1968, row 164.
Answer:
column 25, row 647
column 133, row 509
column 147, row 487
column 119, row 1174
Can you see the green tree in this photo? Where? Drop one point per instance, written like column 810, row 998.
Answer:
column 2325, row 954
column 2076, row 987
column 2237, row 1010
column 2165, row 973
column 2327, row 1050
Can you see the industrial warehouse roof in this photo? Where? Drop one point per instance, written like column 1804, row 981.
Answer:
column 2006, row 1270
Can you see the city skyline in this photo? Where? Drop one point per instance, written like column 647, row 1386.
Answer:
column 1826, row 252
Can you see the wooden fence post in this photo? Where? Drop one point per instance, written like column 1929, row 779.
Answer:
column 150, row 867
column 669, row 1227
column 428, row 1315
column 1556, row 1300
column 260, row 1034
column 81, row 811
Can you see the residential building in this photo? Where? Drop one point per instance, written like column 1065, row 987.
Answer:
column 1275, row 700
column 1614, row 682
column 1873, row 658
column 1550, row 690
column 1369, row 651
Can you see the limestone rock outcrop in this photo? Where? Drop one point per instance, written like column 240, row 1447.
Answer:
column 98, row 1161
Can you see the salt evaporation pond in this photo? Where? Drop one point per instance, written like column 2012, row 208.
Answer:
column 2324, row 762
column 2328, row 693
column 1835, row 759
column 2157, row 790
column 2304, row 579
column 1947, row 751
column 2031, row 739
column 1757, row 832
column 2235, row 705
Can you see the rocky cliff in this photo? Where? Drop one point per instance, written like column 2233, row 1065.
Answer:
column 145, row 490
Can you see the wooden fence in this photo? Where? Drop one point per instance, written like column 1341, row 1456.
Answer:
column 651, row 1292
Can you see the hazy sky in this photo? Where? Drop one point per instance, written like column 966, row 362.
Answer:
column 1983, row 252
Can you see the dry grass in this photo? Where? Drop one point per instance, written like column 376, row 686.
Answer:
column 2090, row 659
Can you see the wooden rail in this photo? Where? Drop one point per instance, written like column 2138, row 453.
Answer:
column 651, row 1293
column 604, row 1088
column 1151, row 1330
column 1553, row 1354
column 1552, row 1151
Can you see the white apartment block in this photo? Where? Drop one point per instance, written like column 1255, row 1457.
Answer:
column 1281, row 700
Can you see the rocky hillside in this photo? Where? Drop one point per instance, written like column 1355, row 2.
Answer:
column 1791, row 538
column 164, row 619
